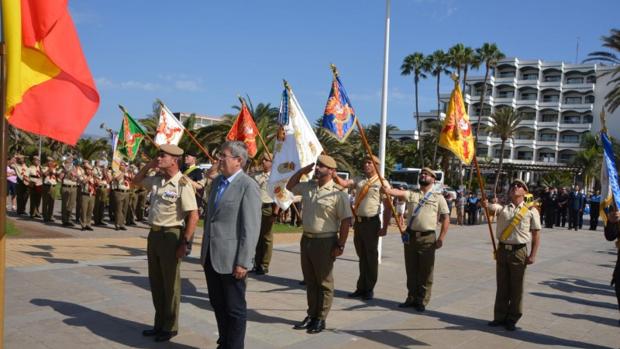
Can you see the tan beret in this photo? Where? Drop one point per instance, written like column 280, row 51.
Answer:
column 36, row 157
column 327, row 161
column 171, row 149
column 517, row 180
column 429, row 171
column 374, row 158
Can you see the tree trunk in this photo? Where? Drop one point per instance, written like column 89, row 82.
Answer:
column 484, row 92
column 438, row 120
column 417, row 119
column 499, row 167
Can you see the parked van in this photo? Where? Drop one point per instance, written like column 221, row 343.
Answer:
column 409, row 177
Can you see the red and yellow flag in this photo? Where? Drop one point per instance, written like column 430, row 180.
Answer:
column 244, row 130
column 50, row 90
column 456, row 135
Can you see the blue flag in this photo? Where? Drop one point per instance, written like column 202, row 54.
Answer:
column 339, row 116
column 610, row 188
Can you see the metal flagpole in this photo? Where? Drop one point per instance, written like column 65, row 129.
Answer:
column 3, row 187
column 384, row 96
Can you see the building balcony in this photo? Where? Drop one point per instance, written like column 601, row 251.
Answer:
column 569, row 145
column 546, row 144
column 550, row 105
column 529, row 82
column 505, row 100
column 582, row 87
column 582, row 107
column 526, row 103
column 553, row 84
column 548, row 124
column 576, row 127
column 508, row 80
column 522, row 141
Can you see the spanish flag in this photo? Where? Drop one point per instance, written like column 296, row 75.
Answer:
column 50, row 90
column 244, row 130
column 456, row 135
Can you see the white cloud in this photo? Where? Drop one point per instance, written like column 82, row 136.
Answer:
column 188, row 85
column 166, row 83
column 104, row 82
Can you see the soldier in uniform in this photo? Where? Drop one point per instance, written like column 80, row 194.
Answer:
column 120, row 195
column 78, row 197
column 50, row 178
column 36, row 186
column 141, row 194
column 23, row 181
column 425, row 207
column 132, row 198
column 103, row 178
column 88, row 190
column 69, row 178
column 517, row 224
column 368, row 226
column 173, row 216
column 327, row 218
column 562, row 208
column 269, row 211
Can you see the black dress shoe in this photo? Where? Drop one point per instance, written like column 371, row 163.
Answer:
column 368, row 296
column 165, row 336
column 407, row 304
column 496, row 323
column 356, row 294
column 150, row 332
column 316, row 327
column 89, row 228
column 304, row 324
column 510, row 326
column 122, row 228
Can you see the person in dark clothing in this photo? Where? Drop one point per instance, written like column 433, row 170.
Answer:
column 595, row 204
column 562, row 208
column 549, row 207
column 472, row 209
column 576, row 204
column 611, row 233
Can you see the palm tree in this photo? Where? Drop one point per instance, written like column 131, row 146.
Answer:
column 488, row 54
column 504, row 124
column 438, row 62
column 470, row 60
column 416, row 64
column 92, row 149
column 612, row 99
column 461, row 58
column 590, row 161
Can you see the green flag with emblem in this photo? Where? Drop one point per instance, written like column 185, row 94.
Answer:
column 130, row 136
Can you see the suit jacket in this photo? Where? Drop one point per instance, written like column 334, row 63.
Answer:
column 576, row 201
column 231, row 229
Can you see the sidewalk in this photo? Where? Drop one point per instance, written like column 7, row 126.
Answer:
column 82, row 291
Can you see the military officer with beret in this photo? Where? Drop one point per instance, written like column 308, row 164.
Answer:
column 327, row 218
column 36, row 186
column 69, row 176
column 517, row 224
column 269, row 212
column 23, row 181
column 426, row 207
column 173, row 216
column 50, row 179
column 88, row 190
column 368, row 226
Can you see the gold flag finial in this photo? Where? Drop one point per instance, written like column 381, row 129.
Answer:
column 286, row 85
column 455, row 78
column 334, row 70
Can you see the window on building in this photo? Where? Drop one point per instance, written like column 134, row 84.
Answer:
column 505, row 94
column 549, row 118
column 530, row 115
column 571, row 119
column 496, row 153
column 587, row 119
column 528, row 96
column 551, row 98
column 524, row 155
column 552, row 78
column 530, row 76
column 547, row 137
column 574, row 80
column 546, row 157
column 569, row 138
column 572, row 100
column 567, row 157
column 525, row 135
column 591, row 79
column 507, row 74
column 589, row 99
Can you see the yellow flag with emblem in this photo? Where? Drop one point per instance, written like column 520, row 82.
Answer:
column 456, row 135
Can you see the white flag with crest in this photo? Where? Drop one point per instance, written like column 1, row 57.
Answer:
column 170, row 129
column 296, row 146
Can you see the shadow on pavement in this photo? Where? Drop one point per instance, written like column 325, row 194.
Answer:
column 593, row 318
column 579, row 286
column 110, row 327
column 385, row 337
column 576, row 300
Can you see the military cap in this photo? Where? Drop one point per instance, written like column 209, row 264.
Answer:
column 373, row 158
column 328, row 161
column 517, row 180
column 191, row 152
column 36, row 157
column 267, row 156
column 429, row 171
column 171, row 149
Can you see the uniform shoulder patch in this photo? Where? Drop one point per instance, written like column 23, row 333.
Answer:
column 184, row 180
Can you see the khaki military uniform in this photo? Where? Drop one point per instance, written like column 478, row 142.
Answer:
column 120, row 195
column 50, row 178
column 21, row 190
column 511, row 260
column 141, row 195
column 88, row 190
column 78, row 198
column 264, row 247
column 324, row 209
column 69, row 191
column 366, row 227
column 420, row 251
column 102, row 195
column 171, row 201
column 35, row 189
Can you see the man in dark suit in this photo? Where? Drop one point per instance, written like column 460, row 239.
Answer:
column 231, row 230
column 576, row 204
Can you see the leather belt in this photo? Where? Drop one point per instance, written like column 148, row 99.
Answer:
column 157, row 228
column 511, row 247
column 319, row 235
column 418, row 234
column 361, row 219
column 269, row 204
column 122, row 190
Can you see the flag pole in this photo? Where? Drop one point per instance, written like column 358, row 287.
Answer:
column 3, row 187
column 369, row 151
column 486, row 209
column 145, row 133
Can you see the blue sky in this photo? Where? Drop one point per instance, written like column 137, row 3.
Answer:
column 197, row 56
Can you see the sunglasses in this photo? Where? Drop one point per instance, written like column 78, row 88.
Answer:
column 518, row 185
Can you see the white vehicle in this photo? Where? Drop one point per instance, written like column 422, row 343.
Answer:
column 409, row 177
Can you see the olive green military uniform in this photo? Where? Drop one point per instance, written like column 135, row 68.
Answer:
column 78, row 198
column 102, row 195
column 120, row 195
column 420, row 251
column 141, row 195
column 50, row 178
column 21, row 190
column 324, row 209
column 264, row 246
column 511, row 260
column 171, row 200
column 88, row 190
column 132, row 200
column 35, row 189
column 366, row 227
column 69, row 191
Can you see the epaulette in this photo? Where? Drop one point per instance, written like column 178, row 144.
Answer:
column 184, row 180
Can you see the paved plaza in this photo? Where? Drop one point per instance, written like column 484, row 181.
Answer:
column 90, row 290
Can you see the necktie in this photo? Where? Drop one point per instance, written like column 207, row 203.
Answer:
column 220, row 190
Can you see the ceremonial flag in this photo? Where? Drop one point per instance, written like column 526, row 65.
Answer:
column 456, row 135
column 610, row 187
column 49, row 88
column 130, row 136
column 170, row 129
column 117, row 157
column 296, row 146
column 244, row 130
column 339, row 116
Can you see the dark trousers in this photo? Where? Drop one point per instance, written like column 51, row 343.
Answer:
column 419, row 265
column 22, row 197
column 573, row 219
column 594, row 207
column 510, row 272
column 48, row 202
column 366, row 241
column 227, row 298
column 35, row 200
column 560, row 216
column 264, row 247
column 471, row 216
column 317, row 266
column 616, row 279
column 549, row 218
